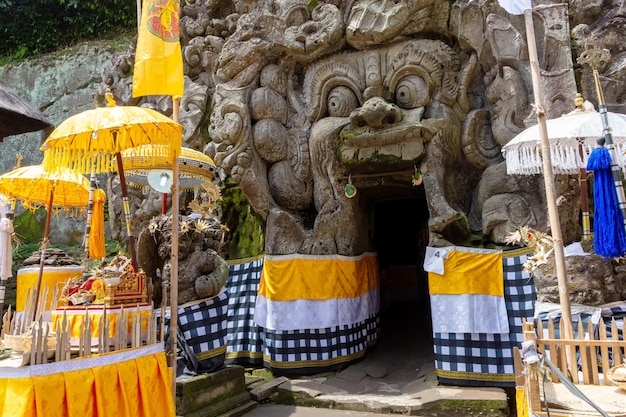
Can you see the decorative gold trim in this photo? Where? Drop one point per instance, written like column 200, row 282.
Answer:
column 474, row 375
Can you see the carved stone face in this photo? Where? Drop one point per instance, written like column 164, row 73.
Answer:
column 385, row 97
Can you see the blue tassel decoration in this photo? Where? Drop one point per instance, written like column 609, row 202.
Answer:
column 608, row 221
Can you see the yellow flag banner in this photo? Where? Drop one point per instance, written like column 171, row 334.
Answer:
column 159, row 60
column 97, row 248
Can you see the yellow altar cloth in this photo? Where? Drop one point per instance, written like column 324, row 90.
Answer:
column 76, row 317
column 127, row 383
column 52, row 276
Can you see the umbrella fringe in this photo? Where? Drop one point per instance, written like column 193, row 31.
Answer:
column 527, row 160
column 56, row 159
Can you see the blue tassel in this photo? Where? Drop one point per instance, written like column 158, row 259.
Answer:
column 608, row 221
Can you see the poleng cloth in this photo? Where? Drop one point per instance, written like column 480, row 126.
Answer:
column 469, row 296
column 311, row 292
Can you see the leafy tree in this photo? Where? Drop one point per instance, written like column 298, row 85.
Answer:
column 33, row 27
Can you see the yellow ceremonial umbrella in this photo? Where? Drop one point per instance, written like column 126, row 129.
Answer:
column 92, row 141
column 195, row 169
column 35, row 187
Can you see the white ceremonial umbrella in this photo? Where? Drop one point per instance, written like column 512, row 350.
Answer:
column 572, row 138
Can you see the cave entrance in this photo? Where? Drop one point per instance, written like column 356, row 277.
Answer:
column 400, row 237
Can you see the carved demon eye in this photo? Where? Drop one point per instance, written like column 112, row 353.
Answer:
column 412, row 92
column 341, row 101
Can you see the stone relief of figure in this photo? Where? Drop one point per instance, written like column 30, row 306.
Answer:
column 503, row 203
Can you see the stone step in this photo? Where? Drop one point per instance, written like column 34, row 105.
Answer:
column 224, row 407
column 205, row 394
column 241, row 410
column 263, row 391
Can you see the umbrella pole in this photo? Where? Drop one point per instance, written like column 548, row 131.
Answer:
column 43, row 255
column 173, row 337
column 553, row 213
column 608, row 137
column 584, row 197
column 92, row 188
column 594, row 56
column 131, row 237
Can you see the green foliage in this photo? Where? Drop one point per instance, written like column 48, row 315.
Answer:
column 27, row 227
column 246, row 236
column 28, row 28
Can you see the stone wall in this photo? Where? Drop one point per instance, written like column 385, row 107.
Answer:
column 59, row 84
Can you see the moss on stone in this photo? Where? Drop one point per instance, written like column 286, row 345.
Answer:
column 489, row 408
column 27, row 228
column 247, row 230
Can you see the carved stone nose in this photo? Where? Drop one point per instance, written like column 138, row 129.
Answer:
column 375, row 113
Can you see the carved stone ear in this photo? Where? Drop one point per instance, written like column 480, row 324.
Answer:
column 479, row 146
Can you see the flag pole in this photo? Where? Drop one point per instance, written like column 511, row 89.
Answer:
column 595, row 56
column 553, row 213
column 138, row 15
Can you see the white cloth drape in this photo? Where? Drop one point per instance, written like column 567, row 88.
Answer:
column 6, row 230
column 515, row 6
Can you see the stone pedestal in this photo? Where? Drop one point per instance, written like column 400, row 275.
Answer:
column 219, row 393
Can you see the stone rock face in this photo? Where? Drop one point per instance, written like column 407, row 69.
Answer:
column 592, row 280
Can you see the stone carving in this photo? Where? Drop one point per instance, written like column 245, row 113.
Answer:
column 294, row 102
column 608, row 31
column 203, row 272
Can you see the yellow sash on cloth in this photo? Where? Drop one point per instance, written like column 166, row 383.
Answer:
column 312, row 292
column 469, row 296
column 469, row 273
column 307, row 277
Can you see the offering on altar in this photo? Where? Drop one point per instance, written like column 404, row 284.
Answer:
column 113, row 283
column 44, row 339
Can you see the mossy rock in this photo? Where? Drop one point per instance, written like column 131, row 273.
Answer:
column 28, row 228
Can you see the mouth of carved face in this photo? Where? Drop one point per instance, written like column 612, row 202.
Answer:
column 399, row 146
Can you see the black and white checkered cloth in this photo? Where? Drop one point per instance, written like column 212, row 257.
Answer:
column 287, row 352
column 245, row 345
column 313, row 351
column 203, row 325
column 477, row 359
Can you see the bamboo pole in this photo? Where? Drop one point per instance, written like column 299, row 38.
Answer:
column 553, row 213
column 43, row 253
column 174, row 262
